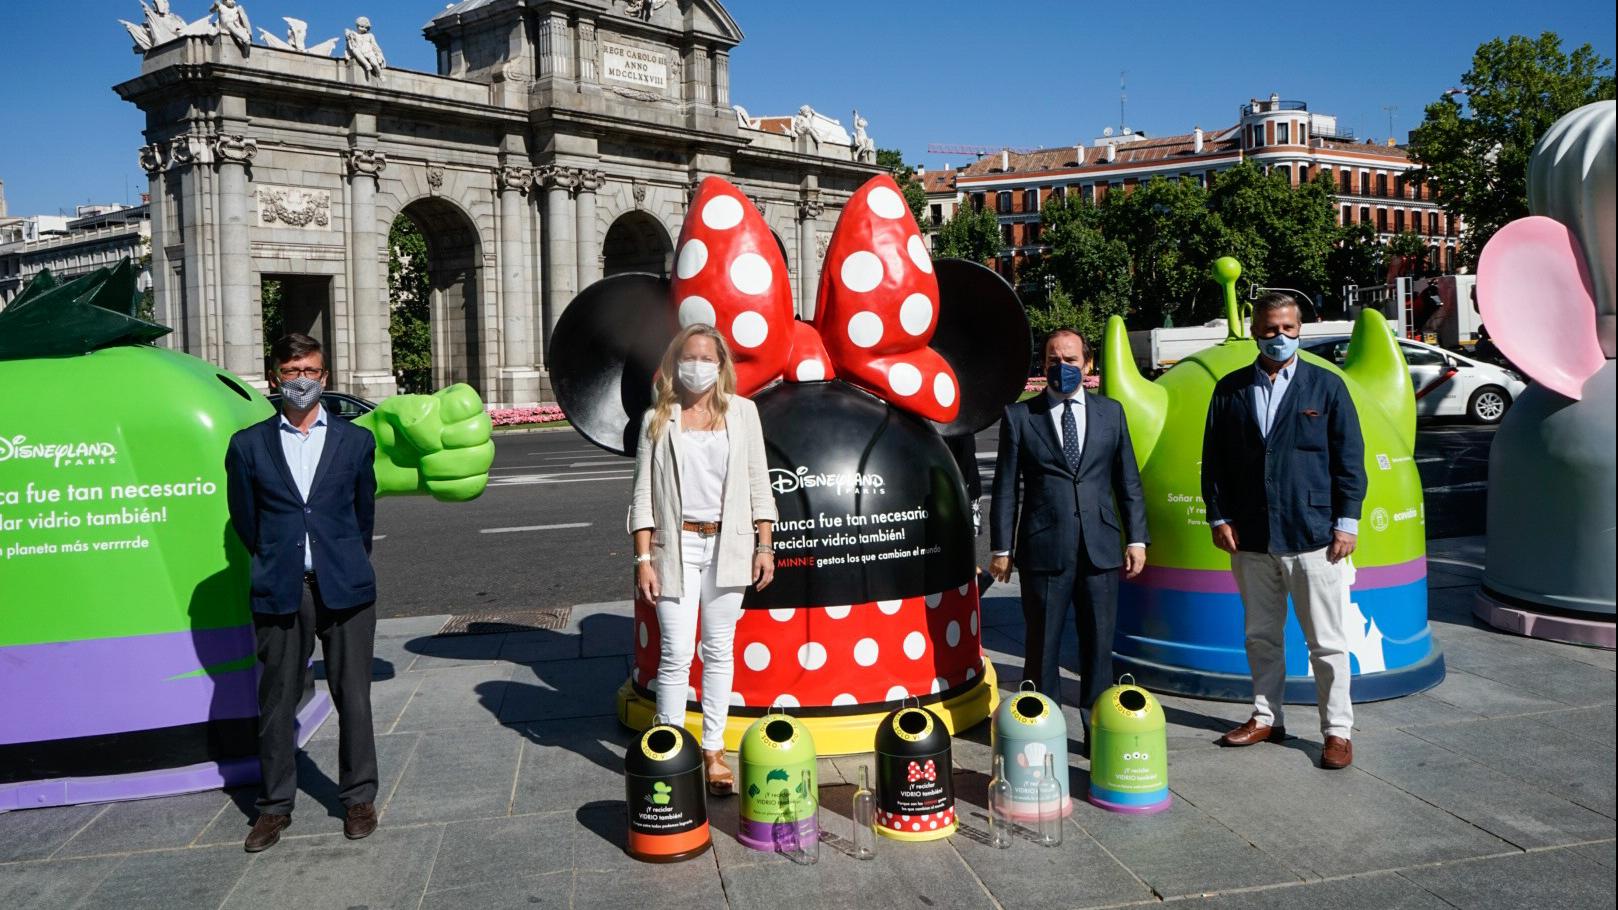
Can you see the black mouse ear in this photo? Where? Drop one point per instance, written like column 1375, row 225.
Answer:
column 983, row 333
column 606, row 349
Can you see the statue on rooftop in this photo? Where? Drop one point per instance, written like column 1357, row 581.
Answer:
column 363, row 49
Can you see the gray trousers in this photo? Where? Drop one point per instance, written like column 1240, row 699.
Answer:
column 1320, row 596
column 286, row 641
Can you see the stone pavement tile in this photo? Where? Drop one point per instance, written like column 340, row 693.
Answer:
column 1598, row 724
column 511, row 891
column 432, row 652
column 1182, row 851
column 456, row 774
column 388, row 701
column 1468, row 551
column 52, row 885
column 37, row 833
column 1528, row 750
column 404, row 628
column 1419, row 710
column 607, row 633
column 1604, row 853
column 1508, row 807
column 655, row 886
column 318, row 808
column 496, row 849
column 147, row 824
column 197, row 878
column 1542, row 878
column 540, row 644
column 459, row 697
column 389, row 869
column 1002, row 608
column 1384, row 891
column 1440, row 576
column 1077, row 873
column 1320, row 823
column 569, row 763
column 558, row 689
column 928, row 875
column 1567, row 681
column 1487, row 697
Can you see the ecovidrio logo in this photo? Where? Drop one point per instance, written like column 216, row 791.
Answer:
column 59, row 454
column 784, row 481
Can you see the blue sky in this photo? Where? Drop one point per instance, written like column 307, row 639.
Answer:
column 1024, row 73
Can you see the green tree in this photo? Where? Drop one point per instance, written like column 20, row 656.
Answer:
column 1356, row 257
column 905, row 175
column 1282, row 234
column 410, row 306
column 1082, row 264
column 146, row 307
column 1478, row 162
column 1171, row 236
column 1410, row 251
column 969, row 234
column 274, row 321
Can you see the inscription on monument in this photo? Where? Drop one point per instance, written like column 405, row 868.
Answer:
column 634, row 66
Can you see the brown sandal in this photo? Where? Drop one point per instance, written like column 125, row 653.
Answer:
column 720, row 781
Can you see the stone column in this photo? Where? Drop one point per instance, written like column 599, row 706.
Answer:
column 561, row 279
column 809, row 211
column 371, row 373
column 231, row 156
column 721, row 82
column 519, row 381
column 589, row 250
column 697, row 74
column 154, row 161
column 555, row 51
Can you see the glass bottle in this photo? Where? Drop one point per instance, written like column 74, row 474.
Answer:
column 807, row 828
column 1000, row 822
column 864, row 815
column 1050, row 805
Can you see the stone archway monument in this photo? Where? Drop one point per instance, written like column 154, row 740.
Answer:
column 548, row 122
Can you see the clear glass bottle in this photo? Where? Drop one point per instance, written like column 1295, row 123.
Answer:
column 1000, row 821
column 864, row 814
column 807, row 828
column 1050, row 805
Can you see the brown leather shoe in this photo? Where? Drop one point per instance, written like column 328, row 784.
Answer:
column 1253, row 733
column 1337, row 755
column 721, row 782
column 361, row 821
column 266, row 831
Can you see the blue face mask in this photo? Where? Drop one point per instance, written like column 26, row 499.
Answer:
column 1064, row 378
column 1280, row 349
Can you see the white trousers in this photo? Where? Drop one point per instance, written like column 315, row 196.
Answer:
column 1320, row 596
column 677, row 620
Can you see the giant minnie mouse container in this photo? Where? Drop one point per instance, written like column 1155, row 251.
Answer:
column 914, row 799
column 873, row 600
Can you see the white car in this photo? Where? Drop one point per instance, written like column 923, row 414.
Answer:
column 1446, row 384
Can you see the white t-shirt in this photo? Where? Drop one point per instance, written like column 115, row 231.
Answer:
column 704, row 460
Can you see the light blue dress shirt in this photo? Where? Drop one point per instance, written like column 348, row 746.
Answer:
column 302, row 451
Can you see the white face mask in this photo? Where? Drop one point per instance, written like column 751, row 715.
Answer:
column 698, row 375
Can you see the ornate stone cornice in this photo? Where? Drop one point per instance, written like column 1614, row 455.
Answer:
column 515, row 177
column 190, row 149
column 234, row 149
column 810, row 207
column 553, row 176
column 590, row 180
column 362, row 162
column 153, row 158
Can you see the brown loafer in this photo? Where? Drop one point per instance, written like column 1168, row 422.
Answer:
column 266, row 831
column 720, row 780
column 1253, row 733
column 1337, row 754
column 360, row 821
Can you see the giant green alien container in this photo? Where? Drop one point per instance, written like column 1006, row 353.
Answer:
column 778, row 803
column 1129, row 752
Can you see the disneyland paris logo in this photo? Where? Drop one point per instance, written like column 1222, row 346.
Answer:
column 784, row 481
column 18, row 448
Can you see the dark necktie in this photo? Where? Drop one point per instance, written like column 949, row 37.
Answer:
column 1070, row 436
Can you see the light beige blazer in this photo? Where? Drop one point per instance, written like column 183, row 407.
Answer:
column 747, row 497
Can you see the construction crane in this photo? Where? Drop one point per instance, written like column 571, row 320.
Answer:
column 941, row 148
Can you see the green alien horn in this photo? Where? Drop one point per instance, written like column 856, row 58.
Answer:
column 1375, row 362
column 1146, row 404
column 1225, row 271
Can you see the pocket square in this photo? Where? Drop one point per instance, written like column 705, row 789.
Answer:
column 1310, row 412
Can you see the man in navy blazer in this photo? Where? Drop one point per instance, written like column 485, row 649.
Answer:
column 1283, row 479
column 302, row 492
column 1067, row 495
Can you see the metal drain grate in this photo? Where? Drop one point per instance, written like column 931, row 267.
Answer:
column 490, row 623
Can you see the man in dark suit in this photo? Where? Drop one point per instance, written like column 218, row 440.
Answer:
column 302, row 493
column 1283, row 478
column 1064, row 475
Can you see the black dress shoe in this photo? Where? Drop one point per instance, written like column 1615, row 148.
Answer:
column 266, row 831
column 361, row 821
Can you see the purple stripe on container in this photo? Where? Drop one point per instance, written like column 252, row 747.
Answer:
column 1221, row 581
column 118, row 685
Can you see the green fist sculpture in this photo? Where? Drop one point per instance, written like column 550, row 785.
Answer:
column 438, row 444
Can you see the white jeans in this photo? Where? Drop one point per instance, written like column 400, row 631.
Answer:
column 677, row 622
column 1320, row 597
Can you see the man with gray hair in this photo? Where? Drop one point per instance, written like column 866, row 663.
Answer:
column 1283, row 478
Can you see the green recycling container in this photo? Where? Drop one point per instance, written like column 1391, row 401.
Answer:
column 1129, row 751
column 663, row 786
column 1027, row 727
column 777, row 803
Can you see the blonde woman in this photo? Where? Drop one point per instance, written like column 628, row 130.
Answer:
column 701, row 519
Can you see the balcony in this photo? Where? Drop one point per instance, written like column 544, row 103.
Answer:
column 1272, row 106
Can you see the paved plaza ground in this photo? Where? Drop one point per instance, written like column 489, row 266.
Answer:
column 501, row 788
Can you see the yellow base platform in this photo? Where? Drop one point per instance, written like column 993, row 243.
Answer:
column 835, row 734
column 917, row 837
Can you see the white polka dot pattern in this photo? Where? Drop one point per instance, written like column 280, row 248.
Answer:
column 693, row 256
column 695, row 311
column 750, row 329
column 916, row 314
column 750, row 274
column 861, row 272
column 722, row 213
column 865, row 329
column 904, row 379
column 756, row 656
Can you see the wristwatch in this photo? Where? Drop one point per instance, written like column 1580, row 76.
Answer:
column 642, row 557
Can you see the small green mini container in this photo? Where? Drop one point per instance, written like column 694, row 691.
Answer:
column 1129, row 751
column 777, row 812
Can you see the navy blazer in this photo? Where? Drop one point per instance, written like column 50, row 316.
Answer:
column 1056, row 504
column 272, row 519
column 1282, row 493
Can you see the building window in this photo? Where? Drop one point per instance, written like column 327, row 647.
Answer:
column 1348, row 215
column 1002, row 202
column 1030, row 200
column 1283, row 134
column 1381, row 221
column 1285, row 171
column 1432, row 223
column 1088, row 192
column 1345, row 180
column 977, row 202
column 1365, row 183
column 1059, row 192
column 1006, row 236
column 1365, row 214
column 1258, row 135
column 938, row 215
column 1398, row 221
column 1382, row 185
column 1303, row 174
column 1030, row 233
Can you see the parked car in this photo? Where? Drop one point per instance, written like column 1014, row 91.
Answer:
column 341, row 404
column 1446, row 384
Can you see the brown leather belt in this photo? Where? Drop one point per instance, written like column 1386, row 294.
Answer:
column 705, row 528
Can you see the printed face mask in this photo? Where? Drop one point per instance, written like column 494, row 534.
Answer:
column 1064, row 378
column 1280, row 349
column 698, row 375
column 301, row 393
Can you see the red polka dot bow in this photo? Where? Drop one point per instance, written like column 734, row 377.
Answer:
column 874, row 315
column 927, row 771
